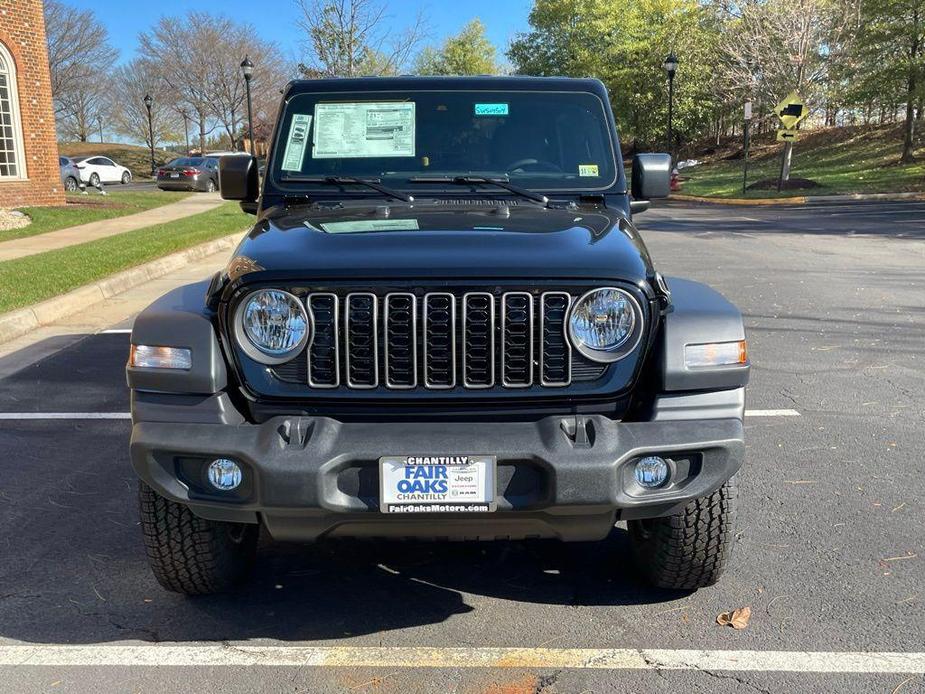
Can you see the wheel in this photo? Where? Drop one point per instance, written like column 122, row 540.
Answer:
column 689, row 549
column 193, row 555
column 94, row 180
column 126, row 178
column 210, row 186
column 70, row 184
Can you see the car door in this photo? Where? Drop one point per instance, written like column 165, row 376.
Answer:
column 212, row 168
column 89, row 167
column 108, row 171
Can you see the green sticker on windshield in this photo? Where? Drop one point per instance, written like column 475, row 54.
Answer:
column 491, row 109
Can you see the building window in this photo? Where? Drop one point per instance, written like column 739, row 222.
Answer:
column 11, row 143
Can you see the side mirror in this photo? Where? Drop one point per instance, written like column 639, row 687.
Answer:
column 651, row 176
column 237, row 178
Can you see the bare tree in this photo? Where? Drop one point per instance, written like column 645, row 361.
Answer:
column 129, row 117
column 180, row 51
column 346, row 38
column 79, row 56
column 774, row 48
column 227, row 90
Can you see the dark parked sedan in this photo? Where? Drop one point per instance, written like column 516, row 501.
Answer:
column 70, row 174
column 189, row 173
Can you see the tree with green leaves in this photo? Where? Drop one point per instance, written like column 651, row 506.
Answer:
column 889, row 54
column 469, row 52
column 624, row 45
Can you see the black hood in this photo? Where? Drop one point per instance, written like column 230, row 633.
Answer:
column 442, row 239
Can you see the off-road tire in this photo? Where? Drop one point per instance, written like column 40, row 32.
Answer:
column 689, row 549
column 193, row 555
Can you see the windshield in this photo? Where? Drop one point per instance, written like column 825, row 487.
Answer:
column 547, row 141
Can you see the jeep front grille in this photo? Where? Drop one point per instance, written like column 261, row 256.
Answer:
column 438, row 340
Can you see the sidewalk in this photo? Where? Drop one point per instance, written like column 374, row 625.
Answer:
column 30, row 245
column 801, row 199
column 114, row 311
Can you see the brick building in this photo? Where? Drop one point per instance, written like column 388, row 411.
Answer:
column 29, row 171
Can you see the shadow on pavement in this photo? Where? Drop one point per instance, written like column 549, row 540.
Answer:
column 73, row 570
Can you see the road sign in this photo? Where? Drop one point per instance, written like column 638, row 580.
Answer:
column 791, row 110
column 787, row 135
column 748, row 110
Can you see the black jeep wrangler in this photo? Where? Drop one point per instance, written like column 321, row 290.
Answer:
column 443, row 324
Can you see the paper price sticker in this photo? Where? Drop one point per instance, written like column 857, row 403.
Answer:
column 297, row 143
column 368, row 129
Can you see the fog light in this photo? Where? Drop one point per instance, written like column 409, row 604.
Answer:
column 651, row 471
column 224, row 474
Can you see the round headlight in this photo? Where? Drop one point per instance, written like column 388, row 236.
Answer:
column 273, row 325
column 604, row 324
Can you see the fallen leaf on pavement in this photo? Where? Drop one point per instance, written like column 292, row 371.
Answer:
column 737, row 619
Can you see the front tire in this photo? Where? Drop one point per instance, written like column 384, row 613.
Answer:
column 210, row 186
column 126, row 178
column 192, row 555
column 689, row 549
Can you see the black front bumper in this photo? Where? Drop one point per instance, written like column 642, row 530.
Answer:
column 308, row 477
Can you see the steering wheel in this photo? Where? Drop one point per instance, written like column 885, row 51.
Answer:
column 542, row 163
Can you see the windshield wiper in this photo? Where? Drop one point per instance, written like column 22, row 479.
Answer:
column 501, row 182
column 372, row 183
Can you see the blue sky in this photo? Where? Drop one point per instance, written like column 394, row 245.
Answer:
column 276, row 19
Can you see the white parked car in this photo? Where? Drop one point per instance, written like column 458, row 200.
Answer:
column 96, row 170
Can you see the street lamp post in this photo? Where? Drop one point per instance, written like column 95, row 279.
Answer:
column 99, row 122
column 186, row 129
column 148, row 101
column 670, row 66
column 247, row 67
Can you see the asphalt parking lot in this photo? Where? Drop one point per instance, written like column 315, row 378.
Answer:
column 830, row 554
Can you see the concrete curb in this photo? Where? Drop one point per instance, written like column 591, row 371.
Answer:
column 22, row 321
column 801, row 199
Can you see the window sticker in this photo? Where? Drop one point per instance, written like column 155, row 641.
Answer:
column 492, row 110
column 588, row 170
column 370, row 225
column 297, row 143
column 354, row 130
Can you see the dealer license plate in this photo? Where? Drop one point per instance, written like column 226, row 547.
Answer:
column 437, row 483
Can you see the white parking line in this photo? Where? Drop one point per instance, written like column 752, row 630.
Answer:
column 127, row 415
column 771, row 413
column 389, row 657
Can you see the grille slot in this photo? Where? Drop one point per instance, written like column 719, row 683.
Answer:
column 478, row 363
column 361, row 341
column 323, row 354
column 439, row 340
column 401, row 346
column 517, row 338
column 555, row 351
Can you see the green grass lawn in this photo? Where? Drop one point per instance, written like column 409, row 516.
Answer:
column 92, row 207
column 840, row 160
column 28, row 280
